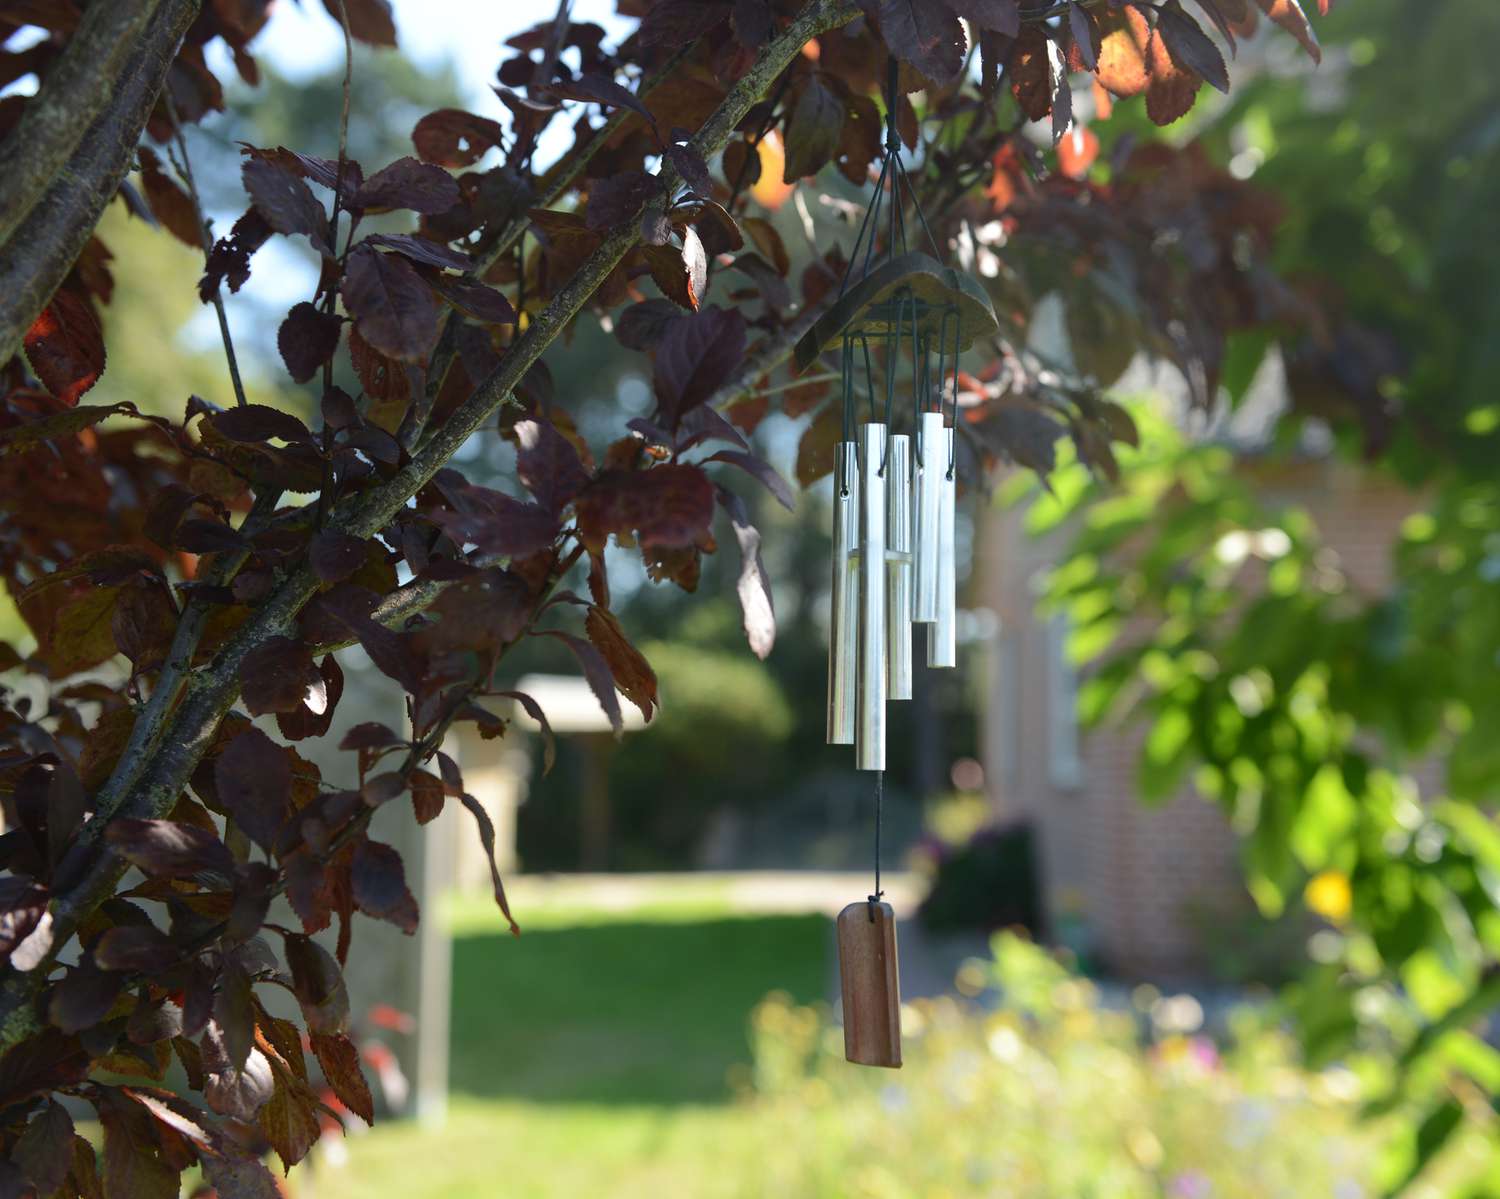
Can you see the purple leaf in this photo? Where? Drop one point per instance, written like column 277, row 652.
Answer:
column 171, row 849
column 548, row 465
column 285, row 202
column 307, row 339
column 258, row 422
column 617, row 198
column 379, row 884
column 695, row 355
column 409, row 183
column 422, row 249
column 391, row 305
column 253, row 777
column 278, row 676
column 762, row 470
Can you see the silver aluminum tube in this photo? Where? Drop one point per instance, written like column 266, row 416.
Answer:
column 932, row 467
column 869, row 734
column 843, row 614
column 898, row 576
column 942, row 647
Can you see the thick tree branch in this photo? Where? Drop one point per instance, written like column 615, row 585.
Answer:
column 183, row 739
column 37, row 256
column 73, row 93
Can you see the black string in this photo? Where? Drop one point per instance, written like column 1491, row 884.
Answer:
column 879, row 797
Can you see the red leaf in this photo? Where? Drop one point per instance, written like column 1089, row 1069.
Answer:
column 306, row 721
column 392, row 307
column 598, row 90
column 278, row 676
column 633, row 675
column 451, row 137
column 339, row 1059
column 547, row 464
column 678, row 22
column 307, row 339
column 65, row 347
column 668, row 507
column 423, row 250
column 370, row 21
column 1030, row 73
column 814, row 131
column 497, row 523
column 682, row 274
column 141, row 947
column 319, row 986
column 1000, row 16
column 258, row 422
column 617, row 198
column 171, row 849
column 1289, row 15
column 924, row 34
column 44, row 1152
column 427, row 796
column 169, row 204
column 253, row 777
column 1190, row 47
column 336, row 555
column 487, row 839
column 477, row 301
column 761, row 470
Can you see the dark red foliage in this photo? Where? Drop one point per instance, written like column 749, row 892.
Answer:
column 217, row 564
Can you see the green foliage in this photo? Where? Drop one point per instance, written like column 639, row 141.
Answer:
column 1303, row 706
column 988, row 882
column 1053, row 1094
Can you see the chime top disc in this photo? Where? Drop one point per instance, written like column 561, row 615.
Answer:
column 878, row 306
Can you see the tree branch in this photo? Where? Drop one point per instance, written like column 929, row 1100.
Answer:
column 186, row 170
column 38, row 255
column 73, row 93
column 183, row 739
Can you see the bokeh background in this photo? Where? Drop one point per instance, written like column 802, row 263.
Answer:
column 1097, row 1000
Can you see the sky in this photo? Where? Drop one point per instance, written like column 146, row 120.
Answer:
column 302, row 40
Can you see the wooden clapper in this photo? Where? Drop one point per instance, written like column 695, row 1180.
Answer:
column 871, row 987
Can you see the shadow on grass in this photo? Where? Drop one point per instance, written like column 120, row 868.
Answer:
column 628, row 1012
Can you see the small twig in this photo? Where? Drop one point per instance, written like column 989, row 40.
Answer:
column 185, row 168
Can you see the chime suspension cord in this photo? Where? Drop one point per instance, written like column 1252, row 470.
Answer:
column 879, row 797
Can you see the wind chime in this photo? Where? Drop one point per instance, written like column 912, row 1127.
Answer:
column 893, row 508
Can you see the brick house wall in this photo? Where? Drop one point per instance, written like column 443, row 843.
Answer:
column 1147, row 881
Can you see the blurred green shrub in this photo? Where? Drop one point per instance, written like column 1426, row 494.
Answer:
column 1049, row 1095
column 987, row 882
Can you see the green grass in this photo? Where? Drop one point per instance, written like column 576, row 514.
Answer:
column 593, row 1055
column 636, row 1011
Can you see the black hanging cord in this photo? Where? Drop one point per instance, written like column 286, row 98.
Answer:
column 879, row 797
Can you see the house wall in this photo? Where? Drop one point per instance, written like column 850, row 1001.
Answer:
column 1148, row 881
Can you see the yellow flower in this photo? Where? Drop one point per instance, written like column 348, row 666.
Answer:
column 1328, row 894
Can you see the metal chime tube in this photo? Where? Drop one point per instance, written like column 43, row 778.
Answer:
column 932, row 467
column 898, row 577
column 843, row 616
column 869, row 738
column 942, row 642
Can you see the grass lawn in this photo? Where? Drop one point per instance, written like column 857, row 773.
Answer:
column 593, row 1055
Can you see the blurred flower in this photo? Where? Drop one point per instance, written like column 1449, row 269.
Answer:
column 1190, row 1184
column 1329, row 895
column 1144, row 1147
